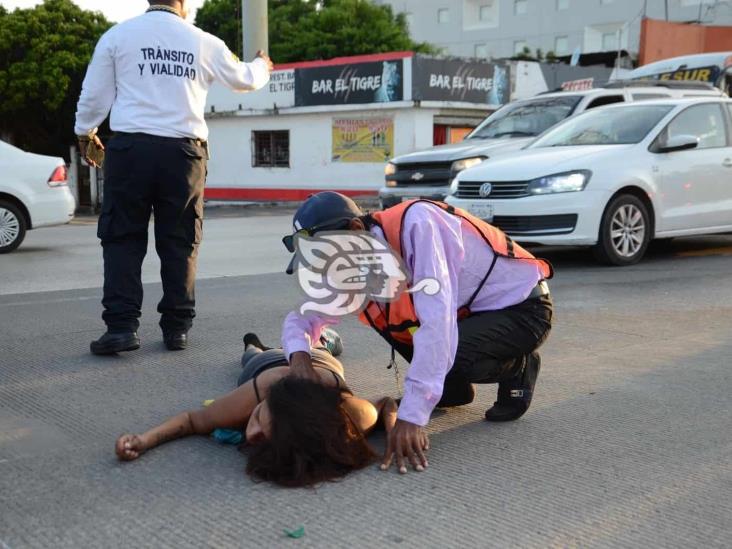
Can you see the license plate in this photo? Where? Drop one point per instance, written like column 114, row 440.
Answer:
column 482, row 210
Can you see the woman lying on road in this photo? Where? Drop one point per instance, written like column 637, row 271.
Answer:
column 301, row 431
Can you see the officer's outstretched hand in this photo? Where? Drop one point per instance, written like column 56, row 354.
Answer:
column 264, row 56
column 408, row 442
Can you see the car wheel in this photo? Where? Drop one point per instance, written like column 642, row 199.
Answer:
column 625, row 231
column 12, row 227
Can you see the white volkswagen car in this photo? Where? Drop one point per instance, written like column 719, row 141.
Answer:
column 34, row 193
column 613, row 178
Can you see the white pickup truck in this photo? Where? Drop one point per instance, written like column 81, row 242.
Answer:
column 429, row 173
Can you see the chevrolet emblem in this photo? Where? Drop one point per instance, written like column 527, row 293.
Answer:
column 417, row 176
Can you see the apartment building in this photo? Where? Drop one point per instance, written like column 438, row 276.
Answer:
column 502, row 28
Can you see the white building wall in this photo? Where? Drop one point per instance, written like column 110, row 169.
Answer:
column 310, row 150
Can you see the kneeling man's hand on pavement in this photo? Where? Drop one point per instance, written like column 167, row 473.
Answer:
column 408, row 443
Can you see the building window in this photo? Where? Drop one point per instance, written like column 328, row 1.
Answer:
column 609, row 41
column 562, row 5
column 519, row 46
column 443, row 15
column 480, row 14
column 481, row 51
column 561, row 45
column 271, row 149
column 520, row 7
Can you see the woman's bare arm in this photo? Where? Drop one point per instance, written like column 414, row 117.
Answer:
column 229, row 412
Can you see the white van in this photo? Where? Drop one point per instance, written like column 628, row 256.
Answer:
column 713, row 68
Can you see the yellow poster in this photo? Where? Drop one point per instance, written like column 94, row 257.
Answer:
column 363, row 139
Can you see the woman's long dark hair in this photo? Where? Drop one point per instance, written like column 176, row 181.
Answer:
column 312, row 440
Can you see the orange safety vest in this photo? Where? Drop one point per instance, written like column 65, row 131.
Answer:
column 397, row 320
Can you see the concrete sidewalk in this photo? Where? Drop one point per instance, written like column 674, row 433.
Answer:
column 628, row 443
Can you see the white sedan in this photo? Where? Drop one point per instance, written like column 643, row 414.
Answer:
column 34, row 193
column 613, row 178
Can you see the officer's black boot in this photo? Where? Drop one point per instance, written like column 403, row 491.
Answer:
column 111, row 343
column 514, row 395
column 175, row 341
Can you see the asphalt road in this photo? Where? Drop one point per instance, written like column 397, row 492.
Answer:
column 627, row 444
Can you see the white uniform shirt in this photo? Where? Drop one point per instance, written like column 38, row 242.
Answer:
column 154, row 72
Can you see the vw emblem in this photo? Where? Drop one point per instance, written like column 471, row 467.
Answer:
column 417, row 176
column 485, row 190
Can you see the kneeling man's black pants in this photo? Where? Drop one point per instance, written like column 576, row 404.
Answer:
column 493, row 346
column 144, row 174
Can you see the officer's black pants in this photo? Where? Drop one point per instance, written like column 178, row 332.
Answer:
column 144, row 174
column 493, row 347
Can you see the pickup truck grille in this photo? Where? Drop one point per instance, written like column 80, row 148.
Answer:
column 428, row 174
column 499, row 189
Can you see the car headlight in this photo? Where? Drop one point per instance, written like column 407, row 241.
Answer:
column 391, row 183
column 390, row 168
column 560, row 183
column 465, row 163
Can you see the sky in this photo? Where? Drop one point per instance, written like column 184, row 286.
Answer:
column 114, row 10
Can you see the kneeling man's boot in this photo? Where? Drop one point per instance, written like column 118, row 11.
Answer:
column 514, row 395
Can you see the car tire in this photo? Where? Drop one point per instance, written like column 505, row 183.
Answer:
column 12, row 227
column 625, row 232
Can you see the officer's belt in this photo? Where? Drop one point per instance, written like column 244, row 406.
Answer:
column 162, row 139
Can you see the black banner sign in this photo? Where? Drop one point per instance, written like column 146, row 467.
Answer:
column 372, row 82
column 702, row 74
column 458, row 80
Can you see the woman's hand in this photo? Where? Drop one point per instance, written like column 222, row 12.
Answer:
column 408, row 442
column 129, row 447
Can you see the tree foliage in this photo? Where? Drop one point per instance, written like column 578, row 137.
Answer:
column 44, row 52
column 303, row 30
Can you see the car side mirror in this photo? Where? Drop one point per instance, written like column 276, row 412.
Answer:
column 679, row 143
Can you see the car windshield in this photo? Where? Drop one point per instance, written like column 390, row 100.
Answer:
column 526, row 118
column 609, row 126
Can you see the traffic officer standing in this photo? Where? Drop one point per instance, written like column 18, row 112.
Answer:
column 491, row 313
column 154, row 72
